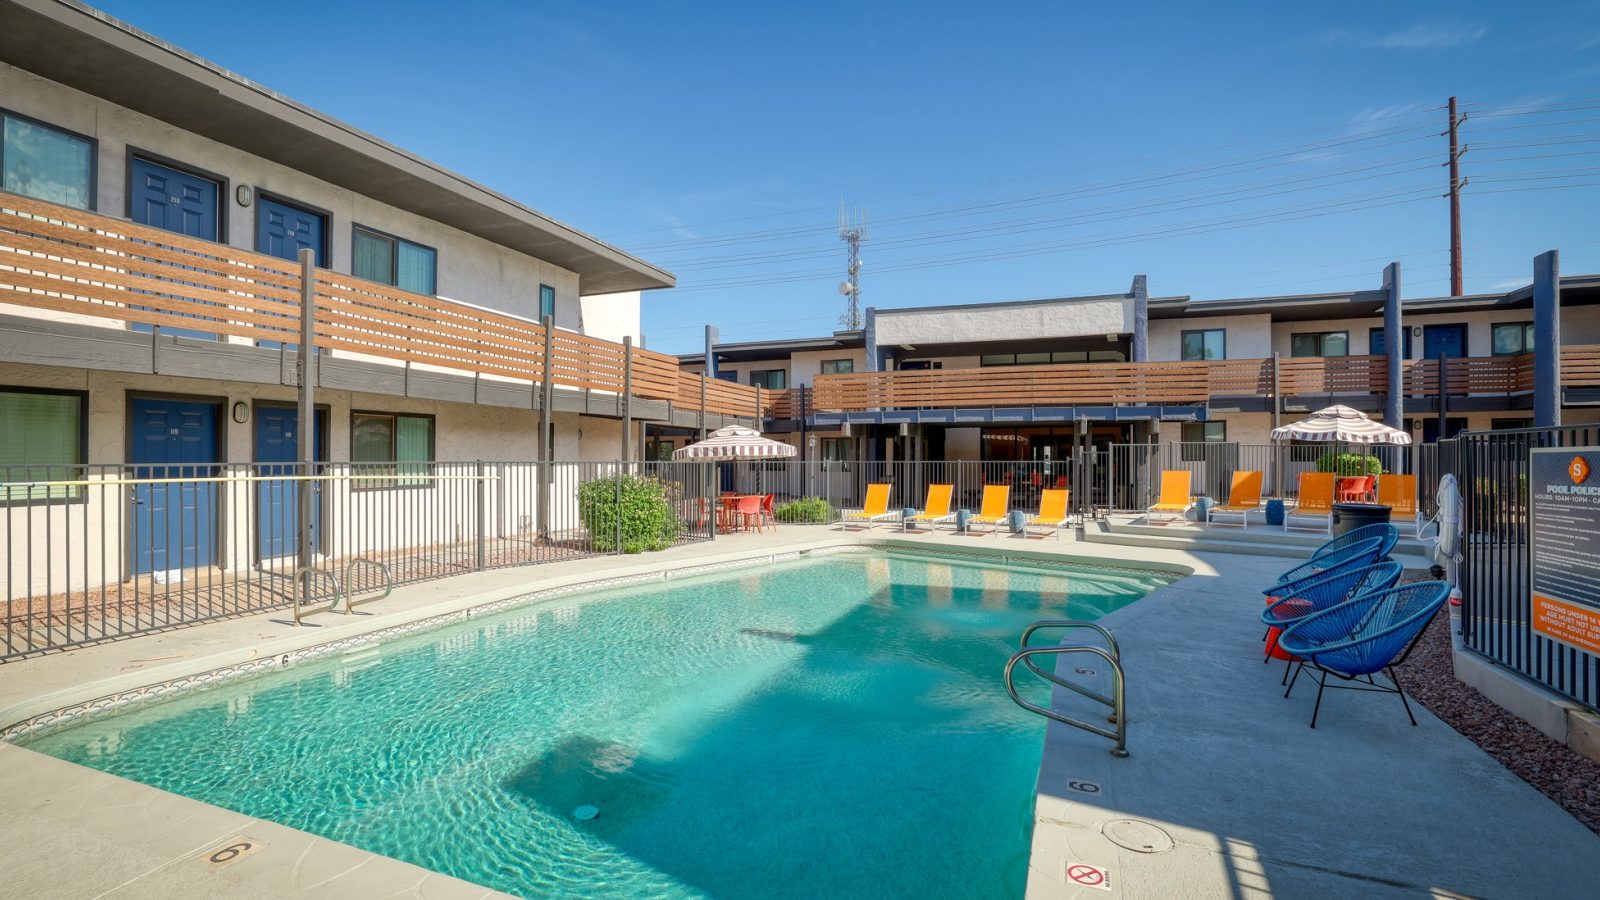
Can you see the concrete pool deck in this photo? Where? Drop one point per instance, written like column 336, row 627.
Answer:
column 1221, row 762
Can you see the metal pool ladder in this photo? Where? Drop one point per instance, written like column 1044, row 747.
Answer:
column 1109, row 653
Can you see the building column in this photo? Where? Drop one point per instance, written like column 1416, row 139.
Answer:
column 1394, row 346
column 712, row 339
column 1141, row 319
column 869, row 337
column 1547, row 339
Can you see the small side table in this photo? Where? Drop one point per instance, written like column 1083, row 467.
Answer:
column 1275, row 511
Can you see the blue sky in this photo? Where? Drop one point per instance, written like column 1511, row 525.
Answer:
column 1001, row 150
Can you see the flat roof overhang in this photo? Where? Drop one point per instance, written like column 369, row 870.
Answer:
column 83, row 48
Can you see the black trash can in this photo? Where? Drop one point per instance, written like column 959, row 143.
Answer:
column 1350, row 516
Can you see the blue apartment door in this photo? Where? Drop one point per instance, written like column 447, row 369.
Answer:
column 277, row 447
column 1446, row 340
column 175, row 523
column 172, row 200
column 283, row 230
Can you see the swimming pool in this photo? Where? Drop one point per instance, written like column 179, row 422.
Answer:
column 832, row 726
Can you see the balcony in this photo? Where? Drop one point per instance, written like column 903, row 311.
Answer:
column 82, row 268
column 1490, row 382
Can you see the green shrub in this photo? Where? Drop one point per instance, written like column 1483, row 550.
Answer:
column 643, row 505
column 808, row 510
column 1350, row 464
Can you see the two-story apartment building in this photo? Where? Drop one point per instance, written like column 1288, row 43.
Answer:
column 153, row 209
column 1030, row 380
column 154, row 213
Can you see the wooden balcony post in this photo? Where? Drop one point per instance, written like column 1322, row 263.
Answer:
column 307, row 365
column 547, row 442
column 627, row 398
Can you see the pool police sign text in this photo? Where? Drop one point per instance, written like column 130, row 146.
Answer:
column 1564, row 530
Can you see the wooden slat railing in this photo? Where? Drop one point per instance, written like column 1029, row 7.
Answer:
column 787, row 404
column 1580, row 366
column 1321, row 375
column 1189, row 382
column 107, row 271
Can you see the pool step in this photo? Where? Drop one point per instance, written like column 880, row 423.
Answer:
column 1256, row 541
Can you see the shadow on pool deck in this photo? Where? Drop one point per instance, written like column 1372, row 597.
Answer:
column 1259, row 804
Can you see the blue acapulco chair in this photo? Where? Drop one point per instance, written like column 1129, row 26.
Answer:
column 1367, row 551
column 1371, row 633
column 1294, row 601
column 1388, row 534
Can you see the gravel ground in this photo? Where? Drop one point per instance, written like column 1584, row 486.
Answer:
column 1553, row 769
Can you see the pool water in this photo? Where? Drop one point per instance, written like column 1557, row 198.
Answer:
column 828, row 727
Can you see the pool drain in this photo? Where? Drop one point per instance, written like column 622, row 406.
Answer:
column 1140, row 837
column 585, row 813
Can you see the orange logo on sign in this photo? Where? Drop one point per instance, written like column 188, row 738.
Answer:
column 1578, row 470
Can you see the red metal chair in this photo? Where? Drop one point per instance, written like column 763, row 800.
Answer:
column 1356, row 489
column 748, row 509
column 768, row 515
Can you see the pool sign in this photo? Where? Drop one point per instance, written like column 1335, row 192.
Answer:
column 1564, row 546
column 1083, row 875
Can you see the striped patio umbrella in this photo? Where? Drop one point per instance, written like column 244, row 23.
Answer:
column 1340, row 423
column 735, row 442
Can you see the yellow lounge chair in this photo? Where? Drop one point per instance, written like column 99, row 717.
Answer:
column 1052, row 511
column 875, row 510
column 995, row 497
column 1174, row 497
column 935, row 511
column 1315, row 501
column 1244, row 498
column 1399, row 493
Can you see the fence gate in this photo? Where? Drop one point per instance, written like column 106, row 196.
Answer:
column 1492, row 469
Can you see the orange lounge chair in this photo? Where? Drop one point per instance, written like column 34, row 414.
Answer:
column 1315, row 502
column 935, row 511
column 995, row 499
column 875, row 510
column 1399, row 493
column 1052, row 511
column 1175, row 497
column 1244, row 498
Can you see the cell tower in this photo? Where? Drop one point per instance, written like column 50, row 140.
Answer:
column 851, row 286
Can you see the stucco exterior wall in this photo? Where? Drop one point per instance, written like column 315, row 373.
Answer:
column 1004, row 322
column 469, row 268
column 1248, row 337
column 610, row 317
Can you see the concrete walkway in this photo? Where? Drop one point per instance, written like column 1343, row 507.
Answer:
column 1258, row 804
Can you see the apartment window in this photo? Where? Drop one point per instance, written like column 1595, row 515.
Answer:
column 46, row 163
column 1323, row 343
column 770, row 379
column 1512, row 338
column 1507, row 424
column 396, row 447
column 838, row 366
column 547, row 302
column 836, row 450
column 1211, row 343
column 41, row 439
column 390, row 260
column 1201, row 433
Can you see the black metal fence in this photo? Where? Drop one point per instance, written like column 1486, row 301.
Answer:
column 1495, row 575
column 92, row 553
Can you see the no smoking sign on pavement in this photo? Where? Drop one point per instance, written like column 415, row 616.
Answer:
column 1086, row 876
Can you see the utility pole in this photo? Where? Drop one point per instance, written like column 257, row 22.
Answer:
column 851, row 286
column 1456, row 184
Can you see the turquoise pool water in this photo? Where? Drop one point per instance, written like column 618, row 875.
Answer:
column 825, row 728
